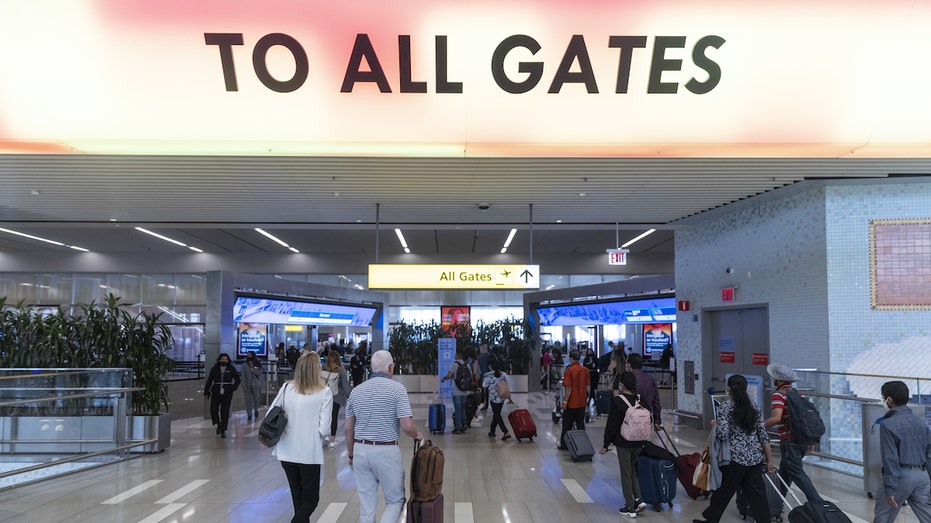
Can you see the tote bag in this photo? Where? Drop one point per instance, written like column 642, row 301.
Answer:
column 702, row 475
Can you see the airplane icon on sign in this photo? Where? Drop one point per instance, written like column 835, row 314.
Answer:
column 505, row 273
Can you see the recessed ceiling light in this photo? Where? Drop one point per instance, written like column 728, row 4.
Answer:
column 35, row 192
column 581, row 194
column 558, row 221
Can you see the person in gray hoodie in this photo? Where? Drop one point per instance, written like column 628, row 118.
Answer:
column 252, row 374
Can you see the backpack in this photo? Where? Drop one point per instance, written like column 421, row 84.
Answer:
column 504, row 390
column 332, row 381
column 426, row 472
column 805, row 422
column 638, row 422
column 463, row 377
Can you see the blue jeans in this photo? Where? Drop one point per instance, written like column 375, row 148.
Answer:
column 790, row 468
column 375, row 465
column 459, row 412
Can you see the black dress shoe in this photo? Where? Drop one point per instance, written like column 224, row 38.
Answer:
column 223, row 434
column 699, row 521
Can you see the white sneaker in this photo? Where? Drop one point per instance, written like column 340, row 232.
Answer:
column 332, row 442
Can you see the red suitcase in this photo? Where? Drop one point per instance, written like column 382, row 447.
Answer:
column 425, row 511
column 522, row 424
column 685, row 468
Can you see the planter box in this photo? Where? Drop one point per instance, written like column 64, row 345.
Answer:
column 411, row 382
column 518, row 383
column 152, row 427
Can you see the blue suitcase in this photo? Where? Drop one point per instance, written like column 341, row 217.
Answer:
column 657, row 481
column 437, row 418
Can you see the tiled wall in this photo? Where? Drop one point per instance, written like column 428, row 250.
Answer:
column 775, row 245
column 804, row 253
column 863, row 340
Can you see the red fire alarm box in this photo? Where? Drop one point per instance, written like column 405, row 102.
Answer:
column 683, row 305
column 727, row 294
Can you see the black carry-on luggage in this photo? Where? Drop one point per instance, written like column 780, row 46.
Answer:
column 810, row 511
column 773, row 500
column 580, row 447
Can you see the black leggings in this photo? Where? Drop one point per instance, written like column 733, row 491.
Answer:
column 334, row 419
column 305, row 489
column 496, row 419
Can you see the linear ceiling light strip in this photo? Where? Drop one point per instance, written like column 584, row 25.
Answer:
column 167, row 239
column 46, row 240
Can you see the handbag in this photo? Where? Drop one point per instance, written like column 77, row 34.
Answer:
column 702, row 475
column 274, row 423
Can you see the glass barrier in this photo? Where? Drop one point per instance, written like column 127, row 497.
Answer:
column 849, row 405
column 56, row 421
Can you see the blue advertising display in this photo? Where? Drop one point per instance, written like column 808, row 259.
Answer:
column 654, row 310
column 252, row 309
column 253, row 337
column 446, row 355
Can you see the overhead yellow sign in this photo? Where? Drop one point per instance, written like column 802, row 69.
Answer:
column 442, row 276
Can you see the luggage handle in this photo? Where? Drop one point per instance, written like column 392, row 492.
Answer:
column 769, row 478
column 660, row 438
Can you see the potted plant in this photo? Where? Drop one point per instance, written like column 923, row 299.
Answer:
column 97, row 336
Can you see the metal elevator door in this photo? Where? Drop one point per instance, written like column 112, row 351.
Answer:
column 739, row 345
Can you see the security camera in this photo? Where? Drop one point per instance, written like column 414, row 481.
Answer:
column 483, row 206
column 729, row 270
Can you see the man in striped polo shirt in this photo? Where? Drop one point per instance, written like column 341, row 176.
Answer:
column 790, row 466
column 376, row 413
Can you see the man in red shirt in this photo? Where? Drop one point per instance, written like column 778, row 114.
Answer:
column 576, row 381
column 790, row 466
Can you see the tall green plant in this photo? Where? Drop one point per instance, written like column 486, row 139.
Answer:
column 93, row 335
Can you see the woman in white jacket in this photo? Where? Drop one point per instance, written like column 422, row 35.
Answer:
column 308, row 403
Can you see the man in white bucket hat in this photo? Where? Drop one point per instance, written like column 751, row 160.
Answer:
column 790, row 466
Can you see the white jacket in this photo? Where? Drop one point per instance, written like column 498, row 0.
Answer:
column 308, row 422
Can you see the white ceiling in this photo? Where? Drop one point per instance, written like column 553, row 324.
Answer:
column 327, row 205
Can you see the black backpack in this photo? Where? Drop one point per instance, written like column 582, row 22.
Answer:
column 805, row 422
column 463, row 377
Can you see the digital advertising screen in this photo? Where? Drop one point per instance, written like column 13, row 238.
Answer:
column 252, row 309
column 642, row 311
column 253, row 337
column 655, row 338
column 456, row 314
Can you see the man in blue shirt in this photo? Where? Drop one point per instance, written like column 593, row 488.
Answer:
column 905, row 447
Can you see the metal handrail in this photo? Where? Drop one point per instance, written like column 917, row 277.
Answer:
column 105, row 391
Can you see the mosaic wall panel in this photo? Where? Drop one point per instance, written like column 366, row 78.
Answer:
column 900, row 264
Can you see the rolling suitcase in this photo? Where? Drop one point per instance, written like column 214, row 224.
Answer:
column 580, row 447
column 471, row 406
column 657, row 479
column 425, row 511
column 685, row 467
column 436, row 418
column 522, row 424
column 773, row 500
column 810, row 511
column 603, row 401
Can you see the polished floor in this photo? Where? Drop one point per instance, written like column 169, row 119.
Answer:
column 202, row 478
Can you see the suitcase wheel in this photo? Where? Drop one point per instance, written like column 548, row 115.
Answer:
column 531, row 440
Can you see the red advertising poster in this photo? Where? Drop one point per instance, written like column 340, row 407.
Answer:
column 727, row 357
column 456, row 317
column 760, row 358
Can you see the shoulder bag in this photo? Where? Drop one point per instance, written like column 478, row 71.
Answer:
column 274, row 423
